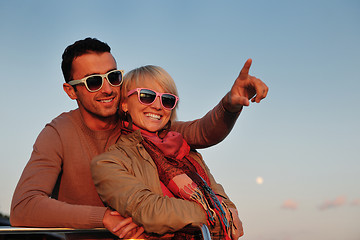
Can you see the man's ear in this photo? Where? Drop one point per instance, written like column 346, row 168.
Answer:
column 70, row 91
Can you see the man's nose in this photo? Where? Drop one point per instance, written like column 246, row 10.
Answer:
column 107, row 88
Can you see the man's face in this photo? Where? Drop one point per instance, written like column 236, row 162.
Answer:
column 100, row 105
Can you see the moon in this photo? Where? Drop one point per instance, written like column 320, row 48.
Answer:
column 259, row 180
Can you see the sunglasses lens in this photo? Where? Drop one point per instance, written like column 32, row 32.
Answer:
column 115, row 78
column 168, row 100
column 94, row 82
column 147, row 96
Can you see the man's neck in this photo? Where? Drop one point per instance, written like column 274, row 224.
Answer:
column 97, row 123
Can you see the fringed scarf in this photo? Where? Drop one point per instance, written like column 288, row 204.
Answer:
column 183, row 175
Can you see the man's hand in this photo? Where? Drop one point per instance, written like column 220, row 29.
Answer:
column 120, row 226
column 237, row 230
column 246, row 87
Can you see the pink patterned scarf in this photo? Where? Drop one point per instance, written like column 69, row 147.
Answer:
column 183, row 175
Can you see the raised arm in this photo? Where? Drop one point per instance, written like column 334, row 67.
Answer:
column 217, row 123
column 208, row 130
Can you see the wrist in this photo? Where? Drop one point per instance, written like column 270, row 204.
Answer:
column 228, row 106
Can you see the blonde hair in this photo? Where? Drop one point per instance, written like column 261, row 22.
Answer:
column 149, row 73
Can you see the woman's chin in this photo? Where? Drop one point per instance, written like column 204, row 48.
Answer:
column 154, row 127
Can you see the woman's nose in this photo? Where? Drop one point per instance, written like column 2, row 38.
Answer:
column 157, row 104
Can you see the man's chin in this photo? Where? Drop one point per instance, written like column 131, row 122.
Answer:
column 109, row 113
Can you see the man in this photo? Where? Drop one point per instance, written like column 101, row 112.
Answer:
column 56, row 188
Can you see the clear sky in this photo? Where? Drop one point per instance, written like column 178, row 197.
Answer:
column 303, row 140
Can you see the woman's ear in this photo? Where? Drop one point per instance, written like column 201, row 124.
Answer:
column 70, row 91
column 124, row 106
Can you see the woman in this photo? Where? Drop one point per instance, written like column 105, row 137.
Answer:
column 151, row 174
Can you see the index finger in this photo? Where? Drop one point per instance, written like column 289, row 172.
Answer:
column 246, row 68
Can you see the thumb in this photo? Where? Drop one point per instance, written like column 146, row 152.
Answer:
column 114, row 213
column 241, row 100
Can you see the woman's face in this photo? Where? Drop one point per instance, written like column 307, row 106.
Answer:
column 152, row 117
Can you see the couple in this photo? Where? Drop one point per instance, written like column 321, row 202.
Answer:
column 56, row 187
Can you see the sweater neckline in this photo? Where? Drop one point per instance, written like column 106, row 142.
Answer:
column 97, row 134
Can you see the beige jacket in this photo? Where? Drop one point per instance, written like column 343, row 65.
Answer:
column 126, row 179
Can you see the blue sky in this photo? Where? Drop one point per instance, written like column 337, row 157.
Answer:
column 303, row 140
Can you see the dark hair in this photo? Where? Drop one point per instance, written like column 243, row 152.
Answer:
column 77, row 49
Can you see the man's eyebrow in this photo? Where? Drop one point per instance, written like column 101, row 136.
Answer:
column 90, row 74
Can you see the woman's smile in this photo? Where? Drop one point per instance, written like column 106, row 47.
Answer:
column 153, row 116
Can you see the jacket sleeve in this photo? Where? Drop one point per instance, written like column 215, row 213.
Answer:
column 118, row 187
column 32, row 205
column 208, row 130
